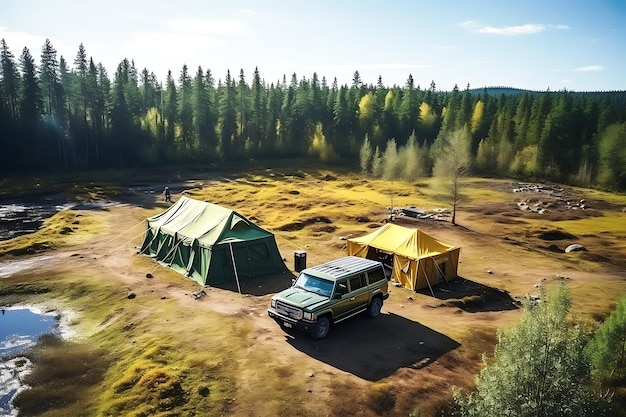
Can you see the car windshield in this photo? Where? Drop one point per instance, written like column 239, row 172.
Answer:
column 314, row 284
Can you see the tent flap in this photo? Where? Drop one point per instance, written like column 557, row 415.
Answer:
column 419, row 260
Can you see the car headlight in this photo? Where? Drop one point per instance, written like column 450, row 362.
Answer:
column 273, row 303
column 308, row 316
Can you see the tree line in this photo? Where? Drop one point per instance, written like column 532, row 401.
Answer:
column 60, row 115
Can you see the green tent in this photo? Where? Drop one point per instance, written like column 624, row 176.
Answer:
column 210, row 244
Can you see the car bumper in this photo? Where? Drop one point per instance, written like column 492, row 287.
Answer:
column 290, row 323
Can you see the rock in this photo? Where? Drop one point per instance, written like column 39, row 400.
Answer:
column 131, row 295
column 575, row 247
column 148, row 275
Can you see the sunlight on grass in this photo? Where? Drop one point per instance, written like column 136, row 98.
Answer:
column 64, row 228
column 160, row 355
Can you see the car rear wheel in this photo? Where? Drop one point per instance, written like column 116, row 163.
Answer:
column 374, row 308
column 321, row 330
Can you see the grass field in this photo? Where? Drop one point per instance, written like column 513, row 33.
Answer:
column 142, row 345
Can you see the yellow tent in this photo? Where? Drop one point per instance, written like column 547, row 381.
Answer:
column 418, row 260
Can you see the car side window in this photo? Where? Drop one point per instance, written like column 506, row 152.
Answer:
column 342, row 288
column 357, row 282
column 376, row 275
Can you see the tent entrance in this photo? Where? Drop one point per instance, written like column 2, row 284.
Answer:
column 441, row 269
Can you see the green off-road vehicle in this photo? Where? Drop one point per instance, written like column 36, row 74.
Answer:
column 330, row 293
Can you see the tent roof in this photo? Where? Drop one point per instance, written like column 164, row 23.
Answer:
column 411, row 243
column 207, row 223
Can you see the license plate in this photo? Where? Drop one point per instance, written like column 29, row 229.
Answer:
column 287, row 325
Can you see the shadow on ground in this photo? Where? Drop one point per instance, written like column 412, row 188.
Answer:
column 258, row 286
column 373, row 349
column 471, row 296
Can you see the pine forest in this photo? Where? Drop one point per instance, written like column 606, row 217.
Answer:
column 73, row 115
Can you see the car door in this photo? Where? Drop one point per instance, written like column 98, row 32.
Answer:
column 359, row 292
column 354, row 299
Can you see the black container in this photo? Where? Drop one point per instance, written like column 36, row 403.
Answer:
column 299, row 260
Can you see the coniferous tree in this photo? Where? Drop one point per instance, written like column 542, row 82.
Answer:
column 131, row 89
column 243, row 114
column 30, row 111
column 67, row 146
column 9, row 108
column 185, row 109
column 94, row 102
column 451, row 111
column 285, row 139
column 522, row 121
column 302, row 126
column 170, row 116
column 409, row 111
column 274, row 102
column 49, row 78
column 465, row 109
column 80, row 89
column 258, row 113
column 201, row 106
column 10, row 80
column 228, row 118
column 120, row 118
column 30, row 97
column 342, row 121
column 212, row 115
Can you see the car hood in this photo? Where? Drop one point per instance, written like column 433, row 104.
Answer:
column 300, row 298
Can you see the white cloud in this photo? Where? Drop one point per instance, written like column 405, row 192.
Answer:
column 170, row 44
column 206, row 26
column 589, row 68
column 363, row 67
column 16, row 41
column 526, row 29
column 245, row 11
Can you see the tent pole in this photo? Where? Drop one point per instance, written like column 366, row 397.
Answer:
column 232, row 255
column 428, row 282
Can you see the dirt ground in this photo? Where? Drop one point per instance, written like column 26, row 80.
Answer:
column 425, row 342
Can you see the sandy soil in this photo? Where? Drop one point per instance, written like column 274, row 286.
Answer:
column 425, row 342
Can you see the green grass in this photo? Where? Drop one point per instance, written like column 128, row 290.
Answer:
column 153, row 356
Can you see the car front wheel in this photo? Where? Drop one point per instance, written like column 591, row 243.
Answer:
column 375, row 306
column 321, row 330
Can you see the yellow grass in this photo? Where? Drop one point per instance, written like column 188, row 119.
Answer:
column 164, row 353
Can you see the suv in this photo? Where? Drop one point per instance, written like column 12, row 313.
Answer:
column 330, row 293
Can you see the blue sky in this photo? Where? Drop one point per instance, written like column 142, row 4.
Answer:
column 579, row 45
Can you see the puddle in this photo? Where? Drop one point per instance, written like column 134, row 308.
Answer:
column 19, row 330
column 21, row 218
column 18, row 218
column 9, row 268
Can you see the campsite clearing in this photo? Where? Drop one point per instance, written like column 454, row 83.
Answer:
column 165, row 352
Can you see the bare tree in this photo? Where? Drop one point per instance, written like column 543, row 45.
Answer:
column 452, row 155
